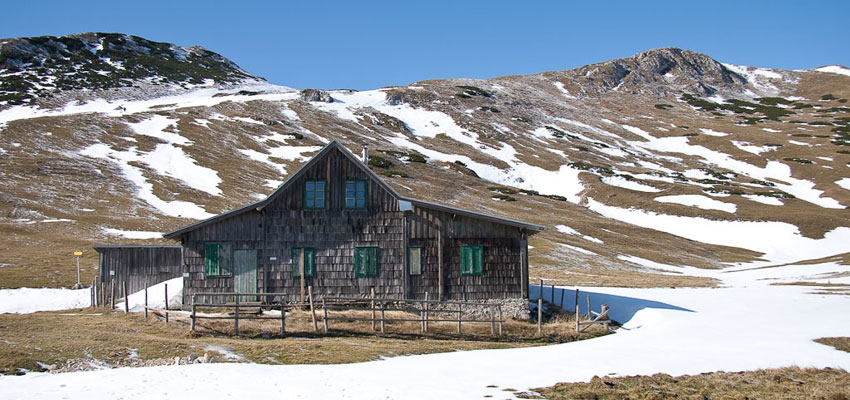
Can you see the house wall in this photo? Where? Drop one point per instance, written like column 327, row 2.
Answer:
column 335, row 232
column 139, row 266
column 502, row 275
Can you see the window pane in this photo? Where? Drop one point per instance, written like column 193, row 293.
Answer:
column 349, row 202
column 310, row 186
column 320, row 202
column 415, row 260
column 361, row 202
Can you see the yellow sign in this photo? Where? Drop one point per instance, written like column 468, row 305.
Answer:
column 78, row 253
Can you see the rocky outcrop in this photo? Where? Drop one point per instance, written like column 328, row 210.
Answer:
column 317, row 95
column 657, row 72
column 40, row 66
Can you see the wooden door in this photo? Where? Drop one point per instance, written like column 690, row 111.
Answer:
column 245, row 273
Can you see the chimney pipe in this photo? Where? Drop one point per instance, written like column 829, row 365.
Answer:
column 365, row 153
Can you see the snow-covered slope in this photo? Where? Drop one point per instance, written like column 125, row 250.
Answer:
column 672, row 331
column 633, row 152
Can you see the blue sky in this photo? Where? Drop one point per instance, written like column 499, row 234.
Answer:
column 369, row 44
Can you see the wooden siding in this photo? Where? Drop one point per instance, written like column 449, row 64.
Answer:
column 139, row 266
column 335, row 232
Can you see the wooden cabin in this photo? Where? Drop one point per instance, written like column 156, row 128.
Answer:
column 346, row 231
column 140, row 266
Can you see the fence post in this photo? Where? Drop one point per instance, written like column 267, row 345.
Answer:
column 372, row 294
column 166, row 304
column 126, row 299
column 194, row 309
column 312, row 309
column 422, row 317
column 325, row 319
column 500, row 320
column 540, row 314
column 541, row 288
column 426, row 311
column 236, row 319
column 589, row 317
column 553, row 294
column 92, row 295
column 577, row 309
column 146, row 302
column 112, row 296
column 492, row 320
column 382, row 317
column 577, row 314
column 561, row 304
column 459, row 314
column 282, row 318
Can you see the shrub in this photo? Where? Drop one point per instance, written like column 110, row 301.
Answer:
column 798, row 160
column 503, row 197
column 474, row 91
column 379, row 162
column 502, row 190
column 828, row 97
column 663, row 106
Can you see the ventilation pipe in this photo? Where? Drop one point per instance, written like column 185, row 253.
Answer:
column 365, row 153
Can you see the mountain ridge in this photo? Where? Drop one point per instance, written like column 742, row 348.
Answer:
column 602, row 158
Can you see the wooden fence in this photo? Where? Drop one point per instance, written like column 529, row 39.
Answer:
column 428, row 311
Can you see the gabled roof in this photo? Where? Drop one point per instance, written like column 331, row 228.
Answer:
column 336, row 145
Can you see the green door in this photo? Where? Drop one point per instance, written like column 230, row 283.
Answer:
column 245, row 273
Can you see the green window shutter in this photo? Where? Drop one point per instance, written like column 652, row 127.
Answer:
column 414, row 260
column 373, row 261
column 210, row 259
column 477, row 260
column 365, row 261
column 465, row 260
column 310, row 261
column 225, row 259
column 296, row 259
column 358, row 262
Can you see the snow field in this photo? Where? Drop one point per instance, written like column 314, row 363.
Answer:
column 780, row 242
column 699, row 201
column 674, row 331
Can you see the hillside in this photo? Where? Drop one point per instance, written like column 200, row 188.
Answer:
column 639, row 168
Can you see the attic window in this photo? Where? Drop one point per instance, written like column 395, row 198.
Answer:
column 314, row 194
column 355, row 194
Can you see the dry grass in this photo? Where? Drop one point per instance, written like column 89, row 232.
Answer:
column 840, row 343
column 784, row 383
column 54, row 337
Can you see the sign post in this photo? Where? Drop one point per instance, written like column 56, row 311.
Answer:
column 78, row 254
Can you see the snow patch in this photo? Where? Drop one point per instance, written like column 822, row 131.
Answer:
column 780, row 242
column 834, row 69
column 624, row 183
column 710, row 132
column 133, row 234
column 699, row 201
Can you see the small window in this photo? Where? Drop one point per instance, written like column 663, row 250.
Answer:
column 365, row 261
column 314, row 195
column 217, row 259
column 414, row 260
column 355, row 194
column 309, row 254
column 471, row 260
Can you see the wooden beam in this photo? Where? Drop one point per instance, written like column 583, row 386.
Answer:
column 523, row 264
column 440, row 284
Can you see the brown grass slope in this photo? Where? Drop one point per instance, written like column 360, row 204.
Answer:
column 44, row 177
